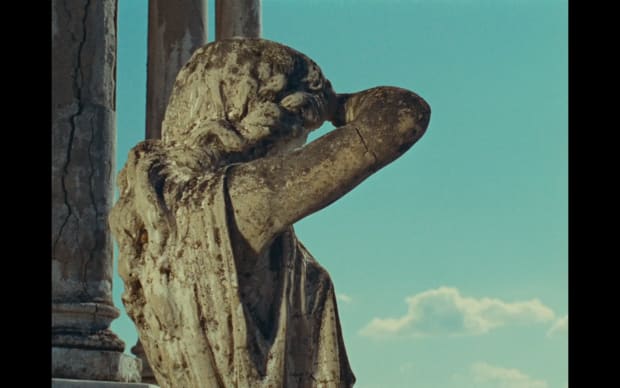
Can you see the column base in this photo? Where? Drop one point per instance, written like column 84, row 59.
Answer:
column 147, row 373
column 85, row 364
column 67, row 383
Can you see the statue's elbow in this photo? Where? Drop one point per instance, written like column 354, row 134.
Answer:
column 390, row 120
column 412, row 122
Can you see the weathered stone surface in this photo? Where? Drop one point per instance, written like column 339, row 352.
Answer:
column 237, row 18
column 147, row 373
column 67, row 383
column 176, row 29
column 83, row 154
column 220, row 288
column 83, row 143
column 94, row 365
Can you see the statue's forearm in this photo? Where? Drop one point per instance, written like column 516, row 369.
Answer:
column 389, row 120
column 376, row 126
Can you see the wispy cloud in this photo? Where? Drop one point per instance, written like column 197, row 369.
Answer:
column 560, row 327
column 499, row 377
column 344, row 298
column 445, row 311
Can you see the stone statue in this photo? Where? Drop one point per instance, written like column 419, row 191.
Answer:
column 221, row 290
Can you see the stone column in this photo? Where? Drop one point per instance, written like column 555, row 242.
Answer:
column 237, row 18
column 176, row 29
column 83, row 169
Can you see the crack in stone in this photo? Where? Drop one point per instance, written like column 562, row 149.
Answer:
column 91, row 190
column 365, row 145
column 220, row 87
column 65, row 193
column 77, row 90
column 68, row 12
column 92, row 167
column 72, row 121
column 115, row 62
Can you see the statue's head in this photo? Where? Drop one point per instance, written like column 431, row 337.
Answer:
column 244, row 95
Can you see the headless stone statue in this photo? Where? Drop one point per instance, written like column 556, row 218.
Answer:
column 222, row 292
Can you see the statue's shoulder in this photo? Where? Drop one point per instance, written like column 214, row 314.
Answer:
column 166, row 174
column 146, row 151
column 157, row 158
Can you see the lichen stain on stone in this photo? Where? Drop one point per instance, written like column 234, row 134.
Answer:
column 217, row 196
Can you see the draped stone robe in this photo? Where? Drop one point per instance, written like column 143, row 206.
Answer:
column 225, row 317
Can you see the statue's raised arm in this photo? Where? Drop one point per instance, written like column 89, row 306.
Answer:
column 222, row 292
column 378, row 125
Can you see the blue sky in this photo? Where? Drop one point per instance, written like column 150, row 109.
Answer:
column 451, row 264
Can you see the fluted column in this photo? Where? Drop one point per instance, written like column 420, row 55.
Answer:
column 83, row 168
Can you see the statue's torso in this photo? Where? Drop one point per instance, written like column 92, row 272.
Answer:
column 212, row 314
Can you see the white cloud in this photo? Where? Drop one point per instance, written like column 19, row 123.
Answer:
column 445, row 311
column 344, row 298
column 560, row 327
column 499, row 377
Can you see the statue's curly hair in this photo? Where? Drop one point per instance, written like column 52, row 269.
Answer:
column 229, row 102
column 237, row 94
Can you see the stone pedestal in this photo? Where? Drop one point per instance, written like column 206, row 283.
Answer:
column 147, row 373
column 67, row 383
column 94, row 365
